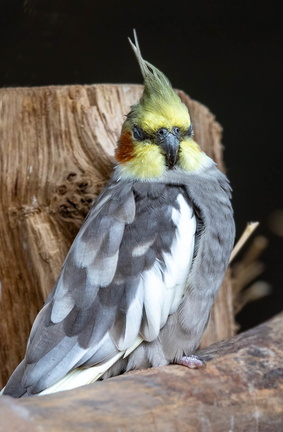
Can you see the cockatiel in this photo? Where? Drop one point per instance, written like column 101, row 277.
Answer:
column 139, row 281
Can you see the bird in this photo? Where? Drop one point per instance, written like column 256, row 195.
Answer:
column 138, row 283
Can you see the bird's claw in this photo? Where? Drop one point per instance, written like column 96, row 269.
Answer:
column 192, row 362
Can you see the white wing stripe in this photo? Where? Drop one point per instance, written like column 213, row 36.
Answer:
column 164, row 289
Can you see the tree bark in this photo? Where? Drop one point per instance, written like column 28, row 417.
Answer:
column 57, row 148
column 241, row 389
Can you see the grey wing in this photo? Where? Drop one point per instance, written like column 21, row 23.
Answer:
column 100, row 304
column 210, row 195
column 74, row 323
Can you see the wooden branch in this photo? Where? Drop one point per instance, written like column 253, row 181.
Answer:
column 250, row 228
column 241, row 389
column 56, row 153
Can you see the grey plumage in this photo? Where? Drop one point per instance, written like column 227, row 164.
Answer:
column 79, row 314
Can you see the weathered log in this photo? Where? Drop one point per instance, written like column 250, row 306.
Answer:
column 57, row 147
column 241, row 389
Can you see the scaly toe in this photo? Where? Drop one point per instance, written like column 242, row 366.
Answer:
column 192, row 362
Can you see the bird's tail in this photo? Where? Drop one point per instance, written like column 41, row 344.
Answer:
column 80, row 377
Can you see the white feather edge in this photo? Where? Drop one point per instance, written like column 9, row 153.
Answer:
column 80, row 377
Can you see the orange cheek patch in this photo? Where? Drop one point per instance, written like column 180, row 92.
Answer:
column 125, row 151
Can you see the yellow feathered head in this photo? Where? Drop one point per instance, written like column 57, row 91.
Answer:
column 157, row 134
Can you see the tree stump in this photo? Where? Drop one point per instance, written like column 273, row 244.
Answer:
column 57, row 152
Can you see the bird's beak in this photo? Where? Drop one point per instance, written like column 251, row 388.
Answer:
column 169, row 143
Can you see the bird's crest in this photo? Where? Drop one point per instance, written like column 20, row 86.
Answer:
column 158, row 97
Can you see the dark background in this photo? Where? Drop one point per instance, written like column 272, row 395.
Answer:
column 227, row 55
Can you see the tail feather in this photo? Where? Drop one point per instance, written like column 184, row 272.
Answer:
column 80, row 377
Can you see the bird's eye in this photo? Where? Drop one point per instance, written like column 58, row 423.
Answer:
column 190, row 131
column 138, row 133
column 176, row 131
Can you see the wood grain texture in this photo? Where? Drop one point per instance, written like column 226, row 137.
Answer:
column 241, row 389
column 56, row 153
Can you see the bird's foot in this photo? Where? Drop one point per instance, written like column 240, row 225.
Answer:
column 192, row 362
